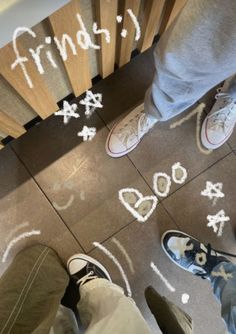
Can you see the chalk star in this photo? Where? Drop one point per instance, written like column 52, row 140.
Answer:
column 220, row 219
column 87, row 133
column 91, row 102
column 222, row 273
column 68, row 111
column 213, row 191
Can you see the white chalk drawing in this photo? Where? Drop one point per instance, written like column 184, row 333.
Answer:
column 220, row 218
column 201, row 259
column 123, row 33
column 91, row 102
column 66, row 206
column 142, row 208
column 68, row 111
column 83, row 40
column 179, row 173
column 87, row 133
column 17, row 239
column 124, row 252
column 116, row 262
column 161, row 184
column 164, row 280
column 185, row 298
column 222, row 273
column 16, row 229
column 213, row 191
column 198, row 111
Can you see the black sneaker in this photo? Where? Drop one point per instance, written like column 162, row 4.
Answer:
column 190, row 254
column 84, row 268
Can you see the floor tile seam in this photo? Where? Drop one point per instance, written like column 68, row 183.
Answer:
column 47, row 199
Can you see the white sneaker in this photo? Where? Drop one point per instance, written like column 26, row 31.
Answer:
column 219, row 123
column 126, row 134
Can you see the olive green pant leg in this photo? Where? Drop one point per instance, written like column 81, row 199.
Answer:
column 31, row 290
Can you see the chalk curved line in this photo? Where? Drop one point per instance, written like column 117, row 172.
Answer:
column 14, row 230
column 176, row 166
column 17, row 239
column 190, row 115
column 124, row 252
column 164, row 280
column 114, row 259
column 155, row 185
column 66, row 206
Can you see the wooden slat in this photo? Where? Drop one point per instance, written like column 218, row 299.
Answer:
column 151, row 20
column 10, row 126
column 1, row 146
column 126, row 44
column 39, row 97
column 178, row 5
column 169, row 5
column 77, row 66
column 106, row 12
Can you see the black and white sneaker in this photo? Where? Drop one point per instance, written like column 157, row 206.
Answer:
column 190, row 254
column 84, row 268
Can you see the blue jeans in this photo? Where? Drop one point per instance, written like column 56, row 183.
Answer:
column 196, row 53
column 225, row 292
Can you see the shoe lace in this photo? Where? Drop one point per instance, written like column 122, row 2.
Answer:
column 85, row 278
column 226, row 114
column 134, row 129
column 211, row 251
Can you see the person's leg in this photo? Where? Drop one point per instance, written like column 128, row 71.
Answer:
column 223, row 281
column 193, row 256
column 196, row 53
column 103, row 307
column 31, row 290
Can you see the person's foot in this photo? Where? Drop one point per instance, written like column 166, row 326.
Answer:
column 219, row 123
column 126, row 134
column 84, row 268
column 190, row 254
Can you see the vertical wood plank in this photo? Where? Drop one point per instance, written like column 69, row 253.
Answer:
column 77, row 66
column 152, row 15
column 169, row 5
column 126, row 44
column 178, row 5
column 10, row 126
column 106, row 12
column 39, row 97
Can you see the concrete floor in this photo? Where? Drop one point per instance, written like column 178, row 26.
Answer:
column 50, row 165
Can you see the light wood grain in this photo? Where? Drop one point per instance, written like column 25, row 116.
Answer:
column 169, row 5
column 177, row 7
column 106, row 12
column 126, row 44
column 10, row 126
column 77, row 66
column 151, row 21
column 39, row 97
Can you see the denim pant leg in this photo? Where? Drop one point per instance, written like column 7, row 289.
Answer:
column 225, row 291
column 196, row 53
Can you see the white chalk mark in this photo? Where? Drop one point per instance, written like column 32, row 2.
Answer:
column 87, row 133
column 220, row 219
column 201, row 259
column 21, row 60
column 222, row 273
column 102, row 31
column 83, row 37
column 91, row 102
column 36, row 57
column 144, row 206
column 213, row 191
column 50, row 58
column 16, row 229
column 136, row 24
column 178, row 168
column 61, row 46
column 119, row 18
column 123, row 33
column 114, row 259
column 161, row 184
column 124, row 252
column 164, row 280
column 68, row 111
column 66, row 206
column 185, row 298
column 17, row 239
column 190, row 115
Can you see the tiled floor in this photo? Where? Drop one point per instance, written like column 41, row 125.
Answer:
column 68, row 189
